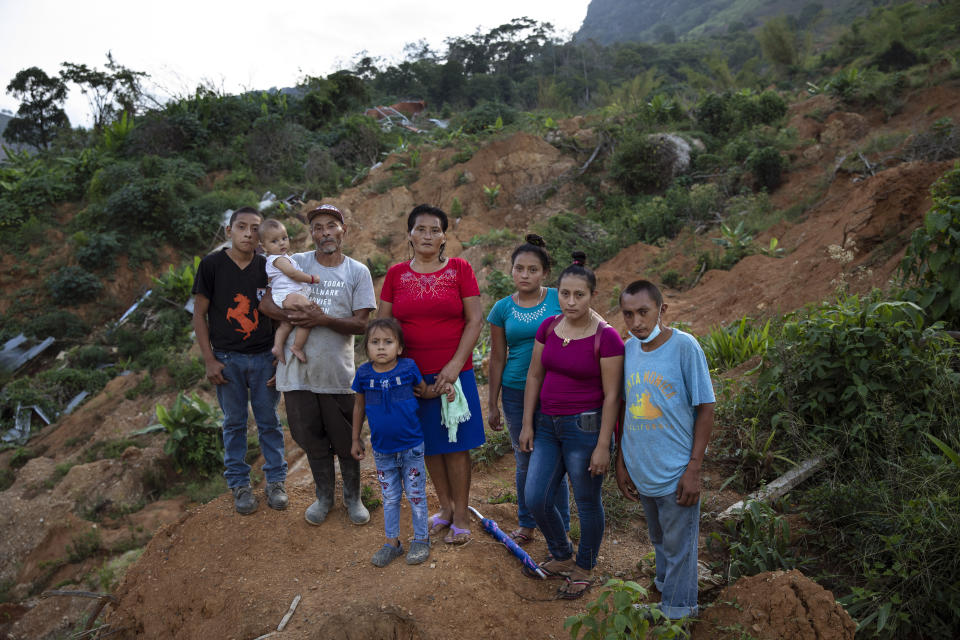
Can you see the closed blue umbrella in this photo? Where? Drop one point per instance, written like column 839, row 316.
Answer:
column 490, row 526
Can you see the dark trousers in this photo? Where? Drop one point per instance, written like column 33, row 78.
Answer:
column 322, row 425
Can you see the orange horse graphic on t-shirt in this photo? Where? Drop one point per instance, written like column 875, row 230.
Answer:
column 240, row 315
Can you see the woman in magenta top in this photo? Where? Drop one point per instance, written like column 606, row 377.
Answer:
column 576, row 372
column 437, row 302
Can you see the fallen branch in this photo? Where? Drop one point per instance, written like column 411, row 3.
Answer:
column 286, row 618
column 779, row 487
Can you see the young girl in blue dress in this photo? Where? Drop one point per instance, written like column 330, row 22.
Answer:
column 387, row 387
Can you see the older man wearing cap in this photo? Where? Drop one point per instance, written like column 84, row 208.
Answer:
column 317, row 392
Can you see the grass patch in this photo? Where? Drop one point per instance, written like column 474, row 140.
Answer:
column 7, row 478
column 493, row 238
column 504, row 497
column 83, row 546
column 497, row 445
column 369, row 497
column 619, row 512
column 108, row 449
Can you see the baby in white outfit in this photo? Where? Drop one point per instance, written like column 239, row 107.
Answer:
column 288, row 286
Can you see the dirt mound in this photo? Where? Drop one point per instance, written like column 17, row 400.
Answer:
column 777, row 605
column 218, row 574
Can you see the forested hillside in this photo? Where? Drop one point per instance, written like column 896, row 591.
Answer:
column 610, row 21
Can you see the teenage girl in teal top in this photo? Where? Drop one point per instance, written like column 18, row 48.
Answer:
column 513, row 324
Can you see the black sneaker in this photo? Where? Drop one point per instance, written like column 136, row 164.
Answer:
column 276, row 495
column 243, row 500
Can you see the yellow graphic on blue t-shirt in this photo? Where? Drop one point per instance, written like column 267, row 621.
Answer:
column 643, row 409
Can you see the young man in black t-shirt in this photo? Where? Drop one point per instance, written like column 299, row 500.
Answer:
column 235, row 341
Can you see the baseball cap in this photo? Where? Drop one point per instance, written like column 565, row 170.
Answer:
column 326, row 209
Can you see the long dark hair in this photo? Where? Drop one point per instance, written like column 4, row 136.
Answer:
column 427, row 210
column 537, row 246
column 580, row 269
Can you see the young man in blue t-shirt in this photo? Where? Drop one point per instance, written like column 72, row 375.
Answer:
column 667, row 424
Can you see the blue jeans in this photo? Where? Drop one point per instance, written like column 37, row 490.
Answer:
column 561, row 445
column 674, row 532
column 399, row 472
column 513, row 416
column 247, row 375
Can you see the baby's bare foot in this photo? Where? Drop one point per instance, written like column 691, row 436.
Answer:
column 278, row 354
column 297, row 351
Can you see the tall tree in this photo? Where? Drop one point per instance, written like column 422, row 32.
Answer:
column 41, row 108
column 110, row 92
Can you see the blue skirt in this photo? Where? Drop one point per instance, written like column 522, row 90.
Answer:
column 470, row 434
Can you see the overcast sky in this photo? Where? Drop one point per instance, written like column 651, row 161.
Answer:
column 241, row 44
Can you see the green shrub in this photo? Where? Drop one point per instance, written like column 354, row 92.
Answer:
column 185, row 370
column 108, row 449
column 73, row 285
column 63, row 384
column 734, row 344
column 932, row 261
column 499, row 285
column 193, row 434
column 758, row 541
column 89, row 356
column 493, row 238
column 613, row 616
column 900, row 552
column 767, row 166
column 176, row 285
column 378, row 264
column 21, row 456
column 838, row 364
column 83, row 546
column 641, row 164
column 725, row 115
column 61, row 324
column 484, row 116
column 96, row 251
column 7, row 478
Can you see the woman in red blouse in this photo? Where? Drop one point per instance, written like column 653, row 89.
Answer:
column 437, row 302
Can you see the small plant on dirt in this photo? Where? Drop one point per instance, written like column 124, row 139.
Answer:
column 21, row 456
column 497, row 445
column 757, row 455
column 108, row 449
column 492, row 192
column 204, row 490
column 759, row 542
column 378, row 264
column 493, row 238
column 772, row 250
column 456, row 209
column 730, row 346
column 369, row 497
column 504, row 497
column 176, row 284
column 83, row 546
column 619, row 512
column 736, row 242
column 74, row 285
column 613, row 616
column 193, row 428
column 384, row 241
column 499, row 285
column 143, row 387
column 671, row 279
column 7, row 478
